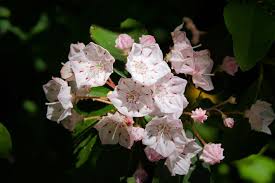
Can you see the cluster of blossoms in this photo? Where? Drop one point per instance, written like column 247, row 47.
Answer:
column 152, row 91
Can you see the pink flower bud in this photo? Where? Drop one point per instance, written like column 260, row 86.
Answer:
column 229, row 65
column 140, row 175
column 228, row 122
column 152, row 155
column 147, row 39
column 212, row 153
column 124, row 42
column 199, row 115
column 138, row 133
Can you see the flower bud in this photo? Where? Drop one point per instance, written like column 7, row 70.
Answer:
column 124, row 42
column 228, row 122
column 147, row 39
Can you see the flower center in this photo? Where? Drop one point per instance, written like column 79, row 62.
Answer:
column 132, row 97
column 140, row 67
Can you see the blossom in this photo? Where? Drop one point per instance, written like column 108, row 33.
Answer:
column 138, row 133
column 202, row 70
column 140, row 175
column 146, row 65
column 66, row 72
column 168, row 95
column 95, row 69
column 161, row 133
column 179, row 36
column 76, row 51
column 228, row 122
column 180, row 160
column 260, row 116
column 152, row 155
column 115, row 128
column 124, row 42
column 58, row 93
column 199, row 115
column 131, row 98
column 147, row 39
column 70, row 121
column 212, row 153
column 229, row 65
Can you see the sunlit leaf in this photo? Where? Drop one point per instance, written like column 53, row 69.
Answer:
column 30, row 106
column 5, row 142
column 99, row 91
column 256, row 168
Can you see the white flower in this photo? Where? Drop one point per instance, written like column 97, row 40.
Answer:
column 76, row 51
column 260, row 116
column 115, row 128
column 95, row 68
column 60, row 99
column 66, row 72
column 180, row 160
column 131, row 98
column 70, row 121
column 145, row 63
column 161, row 134
column 168, row 95
column 201, row 75
column 138, row 133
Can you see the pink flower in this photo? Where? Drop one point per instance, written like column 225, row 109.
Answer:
column 131, row 98
column 199, row 115
column 114, row 129
column 152, row 155
column 212, row 153
column 229, row 65
column 260, row 116
column 147, row 39
column 140, row 175
column 137, row 133
column 228, row 122
column 124, row 42
column 76, row 51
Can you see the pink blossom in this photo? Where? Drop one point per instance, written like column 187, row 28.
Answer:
column 124, row 42
column 76, row 51
column 114, row 129
column 179, row 36
column 138, row 133
column 140, row 175
column 131, row 98
column 146, row 65
column 147, row 39
column 199, row 115
column 152, row 155
column 228, row 122
column 260, row 116
column 229, row 65
column 212, row 153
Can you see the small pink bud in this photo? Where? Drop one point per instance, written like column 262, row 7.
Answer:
column 124, row 42
column 147, row 39
column 229, row 65
column 152, row 155
column 138, row 133
column 199, row 115
column 140, row 175
column 228, row 122
column 212, row 153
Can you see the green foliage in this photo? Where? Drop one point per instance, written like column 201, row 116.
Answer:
column 253, row 32
column 99, row 91
column 5, row 142
column 4, row 12
column 256, row 168
column 30, row 106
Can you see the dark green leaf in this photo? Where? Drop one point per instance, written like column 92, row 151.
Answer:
column 5, row 142
column 253, row 32
column 130, row 23
column 100, row 91
column 81, row 126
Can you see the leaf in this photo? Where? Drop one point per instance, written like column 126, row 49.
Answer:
column 130, row 23
column 100, row 91
column 253, row 32
column 80, row 127
column 106, row 39
column 5, row 142
column 4, row 12
column 84, row 153
column 103, row 111
column 256, row 168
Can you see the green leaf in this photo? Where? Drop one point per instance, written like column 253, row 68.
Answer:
column 4, row 12
column 253, row 32
column 80, row 127
column 5, row 142
column 256, row 168
column 84, row 153
column 131, row 180
column 100, row 91
column 103, row 111
column 30, row 106
column 106, row 39
column 130, row 23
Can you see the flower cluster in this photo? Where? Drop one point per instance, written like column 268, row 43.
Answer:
column 152, row 92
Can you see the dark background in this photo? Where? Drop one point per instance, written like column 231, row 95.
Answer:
column 41, row 148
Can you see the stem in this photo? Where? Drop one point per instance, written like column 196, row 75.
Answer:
column 111, row 83
column 218, row 105
column 101, row 100
column 187, row 113
column 92, row 117
column 235, row 112
column 196, row 133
